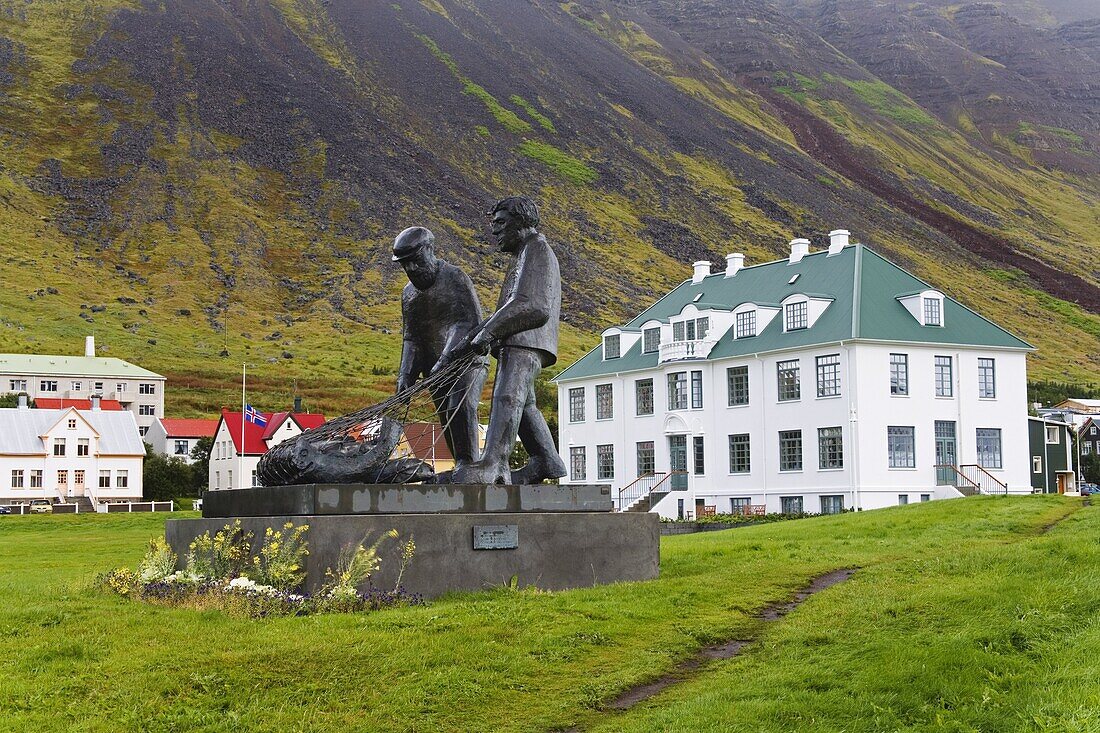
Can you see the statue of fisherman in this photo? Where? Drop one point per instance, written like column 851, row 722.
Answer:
column 439, row 309
column 523, row 336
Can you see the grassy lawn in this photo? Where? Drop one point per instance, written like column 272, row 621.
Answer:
column 964, row 616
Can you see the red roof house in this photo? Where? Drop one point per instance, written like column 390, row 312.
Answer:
column 189, row 428
column 60, row 403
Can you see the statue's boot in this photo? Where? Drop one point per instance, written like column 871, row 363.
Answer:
column 482, row 472
column 539, row 469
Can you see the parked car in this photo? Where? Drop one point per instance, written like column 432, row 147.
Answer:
column 1088, row 489
column 5, row 510
column 41, row 506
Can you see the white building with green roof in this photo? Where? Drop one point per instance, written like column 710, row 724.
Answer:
column 822, row 382
column 61, row 381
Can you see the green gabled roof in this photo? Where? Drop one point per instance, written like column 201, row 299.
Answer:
column 863, row 286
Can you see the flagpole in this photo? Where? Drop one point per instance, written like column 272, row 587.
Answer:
column 240, row 462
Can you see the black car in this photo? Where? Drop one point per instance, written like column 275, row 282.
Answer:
column 5, row 510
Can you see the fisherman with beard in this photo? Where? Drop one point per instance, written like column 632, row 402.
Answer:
column 439, row 309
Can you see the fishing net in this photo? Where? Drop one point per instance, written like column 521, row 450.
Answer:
column 358, row 447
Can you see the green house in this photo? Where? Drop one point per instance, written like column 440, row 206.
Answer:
column 1051, row 444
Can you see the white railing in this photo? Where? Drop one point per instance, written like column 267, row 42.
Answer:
column 987, row 483
column 676, row 350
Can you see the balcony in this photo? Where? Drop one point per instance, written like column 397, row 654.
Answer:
column 680, row 350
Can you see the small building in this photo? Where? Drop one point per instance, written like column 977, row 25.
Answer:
column 176, row 437
column 63, row 377
column 234, row 455
column 1088, row 435
column 1051, row 444
column 821, row 382
column 70, row 455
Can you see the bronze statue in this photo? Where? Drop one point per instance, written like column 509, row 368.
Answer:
column 523, row 336
column 439, row 308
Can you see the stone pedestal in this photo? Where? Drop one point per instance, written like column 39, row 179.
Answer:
column 467, row 537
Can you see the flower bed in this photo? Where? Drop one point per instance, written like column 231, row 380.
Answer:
column 221, row 572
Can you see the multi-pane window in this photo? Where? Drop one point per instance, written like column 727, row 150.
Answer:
column 696, row 389
column 789, row 385
column 677, row 391
column 104, row 479
column 790, row 504
column 47, row 385
column 147, row 388
column 59, row 446
column 18, row 385
column 605, row 462
column 828, row 375
column 72, row 424
column 120, row 387
column 740, row 504
column 739, row 453
column 1086, row 449
column 699, row 459
column 737, row 385
column 611, row 346
column 790, row 450
column 147, row 409
column 217, row 479
column 830, row 448
column 576, row 404
column 746, row 324
column 903, row 499
column 651, row 340
column 122, row 479
column 833, row 504
column 17, row 478
column 605, row 406
column 987, row 378
column 647, row 464
column 932, row 312
column 797, row 316
column 702, row 327
column 180, row 448
column 82, row 446
column 899, row 374
column 989, row 447
column 1052, row 434
column 901, row 446
column 97, row 386
column 944, row 378
column 74, row 386
column 678, row 331
column 643, row 396
column 577, row 463
column 36, row 478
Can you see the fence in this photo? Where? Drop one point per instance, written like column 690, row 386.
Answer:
column 111, row 508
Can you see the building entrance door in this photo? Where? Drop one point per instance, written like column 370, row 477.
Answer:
column 678, row 462
column 78, row 483
column 1063, row 482
column 945, row 452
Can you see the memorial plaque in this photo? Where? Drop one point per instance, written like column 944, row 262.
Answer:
column 496, row 537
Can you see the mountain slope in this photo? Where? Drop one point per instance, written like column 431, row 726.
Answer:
column 203, row 183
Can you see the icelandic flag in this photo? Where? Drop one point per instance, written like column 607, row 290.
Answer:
column 254, row 417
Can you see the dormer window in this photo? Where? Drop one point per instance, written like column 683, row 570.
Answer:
column 693, row 329
column 611, row 346
column 746, row 324
column 651, row 340
column 932, row 312
column 796, row 316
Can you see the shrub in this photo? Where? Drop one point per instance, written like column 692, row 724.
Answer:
column 355, row 566
column 159, row 561
column 280, row 563
column 222, row 556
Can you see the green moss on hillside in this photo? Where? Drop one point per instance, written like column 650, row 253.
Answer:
column 562, row 163
column 533, row 113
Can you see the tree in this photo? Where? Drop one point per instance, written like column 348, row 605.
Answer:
column 166, row 478
column 1090, row 468
column 11, row 400
column 200, row 464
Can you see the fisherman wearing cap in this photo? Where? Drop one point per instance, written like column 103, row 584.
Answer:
column 439, row 308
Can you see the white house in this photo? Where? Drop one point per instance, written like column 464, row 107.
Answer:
column 822, row 382
column 231, row 458
column 86, row 456
column 60, row 377
column 176, row 437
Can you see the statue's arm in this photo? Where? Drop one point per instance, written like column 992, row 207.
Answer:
column 532, row 301
column 407, row 372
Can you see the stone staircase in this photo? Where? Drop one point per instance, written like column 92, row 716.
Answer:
column 83, row 504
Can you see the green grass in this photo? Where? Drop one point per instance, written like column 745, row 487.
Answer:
column 887, row 101
column 533, row 113
column 562, row 163
column 962, row 617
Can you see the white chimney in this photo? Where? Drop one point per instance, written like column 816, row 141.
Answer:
column 95, row 401
column 799, row 249
column 838, row 240
column 700, row 270
column 734, row 262
column 23, row 401
column 89, row 346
